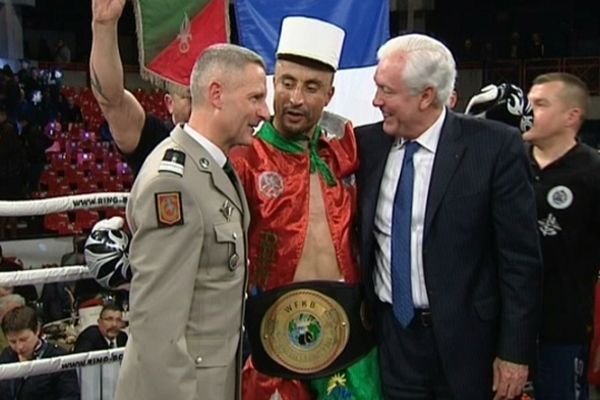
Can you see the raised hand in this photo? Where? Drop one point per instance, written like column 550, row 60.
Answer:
column 107, row 11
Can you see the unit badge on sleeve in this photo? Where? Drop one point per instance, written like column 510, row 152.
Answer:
column 169, row 211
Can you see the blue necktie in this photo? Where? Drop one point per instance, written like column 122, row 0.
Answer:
column 402, row 301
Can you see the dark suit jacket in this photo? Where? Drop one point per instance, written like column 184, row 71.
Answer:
column 481, row 256
column 90, row 339
column 61, row 385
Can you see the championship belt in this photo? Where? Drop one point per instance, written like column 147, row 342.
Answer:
column 308, row 330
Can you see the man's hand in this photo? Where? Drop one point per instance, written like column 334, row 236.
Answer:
column 107, row 11
column 509, row 379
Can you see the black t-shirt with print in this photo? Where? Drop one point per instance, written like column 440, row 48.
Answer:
column 153, row 132
column 568, row 208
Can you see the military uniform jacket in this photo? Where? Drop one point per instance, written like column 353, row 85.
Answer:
column 188, row 255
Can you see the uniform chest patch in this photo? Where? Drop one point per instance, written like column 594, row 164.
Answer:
column 560, row 197
column 270, row 184
column 169, row 211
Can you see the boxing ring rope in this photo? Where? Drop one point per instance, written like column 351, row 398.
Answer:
column 56, row 364
column 44, row 275
column 58, row 274
column 89, row 201
column 49, row 206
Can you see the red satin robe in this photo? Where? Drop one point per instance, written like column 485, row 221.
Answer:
column 276, row 185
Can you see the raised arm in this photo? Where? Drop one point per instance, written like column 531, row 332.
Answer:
column 124, row 114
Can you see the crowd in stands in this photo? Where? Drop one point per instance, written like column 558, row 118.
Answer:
column 55, row 301
column 514, row 47
column 33, row 327
column 24, row 340
column 54, row 142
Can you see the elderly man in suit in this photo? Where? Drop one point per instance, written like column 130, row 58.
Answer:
column 189, row 217
column 448, row 236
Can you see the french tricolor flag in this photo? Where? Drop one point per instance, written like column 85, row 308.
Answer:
column 366, row 23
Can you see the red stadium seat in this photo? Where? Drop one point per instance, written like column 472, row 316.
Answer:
column 59, row 162
column 51, row 182
column 123, row 169
column 112, row 184
column 86, row 160
column 74, row 175
column 62, row 189
column 114, row 212
column 56, row 222
column 85, row 219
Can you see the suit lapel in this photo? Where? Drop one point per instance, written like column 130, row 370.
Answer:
column 449, row 152
column 372, row 182
column 205, row 163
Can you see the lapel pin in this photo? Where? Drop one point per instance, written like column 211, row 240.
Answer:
column 227, row 210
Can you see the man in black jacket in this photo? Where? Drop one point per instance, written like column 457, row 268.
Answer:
column 22, row 331
column 107, row 334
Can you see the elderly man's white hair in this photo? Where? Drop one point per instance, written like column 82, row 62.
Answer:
column 11, row 300
column 428, row 64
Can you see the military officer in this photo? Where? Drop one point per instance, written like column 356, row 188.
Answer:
column 188, row 215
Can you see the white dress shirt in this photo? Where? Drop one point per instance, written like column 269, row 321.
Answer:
column 423, row 166
column 212, row 149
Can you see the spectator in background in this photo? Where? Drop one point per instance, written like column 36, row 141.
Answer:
column 468, row 51
column 12, row 264
column 62, row 52
column 7, row 303
column 44, row 52
column 13, row 173
column 46, row 109
column 24, row 107
column 30, row 81
column 536, row 47
column 56, row 299
column 12, row 92
column 24, row 71
column 87, row 292
column 70, row 112
column 76, row 256
column 106, row 335
column 22, row 329
column 35, row 143
column 8, row 264
column 515, row 46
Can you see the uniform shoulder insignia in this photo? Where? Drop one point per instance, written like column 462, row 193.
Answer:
column 169, row 210
column 173, row 161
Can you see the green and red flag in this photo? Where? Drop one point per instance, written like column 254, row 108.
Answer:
column 173, row 33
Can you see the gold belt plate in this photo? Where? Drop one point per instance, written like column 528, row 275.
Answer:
column 305, row 330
